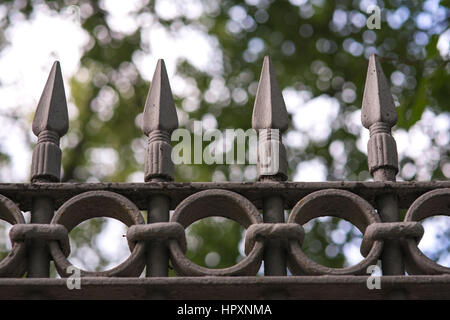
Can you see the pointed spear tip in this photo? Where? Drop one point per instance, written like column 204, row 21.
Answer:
column 377, row 105
column 160, row 112
column 160, row 65
column 269, row 111
column 51, row 113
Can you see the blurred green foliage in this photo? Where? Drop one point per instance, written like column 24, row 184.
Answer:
column 317, row 46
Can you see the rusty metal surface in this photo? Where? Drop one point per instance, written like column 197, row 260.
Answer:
column 292, row 192
column 14, row 264
column 236, row 288
column 220, row 203
column 373, row 207
column 435, row 202
column 215, row 202
column 337, row 203
column 99, row 204
column 284, row 232
column 389, row 231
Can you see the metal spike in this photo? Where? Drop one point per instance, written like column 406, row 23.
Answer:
column 160, row 112
column 270, row 118
column 377, row 105
column 51, row 113
column 269, row 111
column 379, row 116
column 160, row 119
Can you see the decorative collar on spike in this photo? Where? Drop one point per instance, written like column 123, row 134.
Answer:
column 160, row 112
column 269, row 111
column 51, row 113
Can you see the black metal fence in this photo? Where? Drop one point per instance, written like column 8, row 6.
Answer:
column 373, row 207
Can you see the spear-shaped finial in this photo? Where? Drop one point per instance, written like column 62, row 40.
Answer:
column 378, row 105
column 270, row 118
column 379, row 116
column 160, row 112
column 50, row 122
column 160, row 120
column 269, row 111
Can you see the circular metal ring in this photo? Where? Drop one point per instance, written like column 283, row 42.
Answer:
column 14, row 264
column 436, row 202
column 211, row 203
column 96, row 204
column 337, row 203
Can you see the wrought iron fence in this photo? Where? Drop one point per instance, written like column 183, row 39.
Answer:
column 373, row 207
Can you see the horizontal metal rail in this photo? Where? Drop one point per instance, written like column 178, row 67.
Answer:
column 292, row 192
column 235, row 288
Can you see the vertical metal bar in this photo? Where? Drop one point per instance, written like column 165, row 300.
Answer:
column 160, row 119
column 38, row 255
column 274, row 255
column 270, row 118
column 49, row 124
column 392, row 254
column 158, row 255
column 379, row 116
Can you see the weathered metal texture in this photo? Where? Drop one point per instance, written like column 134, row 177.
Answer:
column 270, row 119
column 292, row 192
column 31, row 232
column 14, row 264
column 231, row 288
column 159, row 121
column 267, row 239
column 270, row 113
column 95, row 204
column 436, row 202
column 161, row 232
column 389, row 231
column 336, row 203
column 157, row 253
column 379, row 116
column 50, row 123
column 273, row 231
column 220, row 203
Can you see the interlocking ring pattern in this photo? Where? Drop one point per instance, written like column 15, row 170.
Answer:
column 14, row 264
column 436, row 202
column 221, row 203
column 337, row 203
column 228, row 204
column 94, row 204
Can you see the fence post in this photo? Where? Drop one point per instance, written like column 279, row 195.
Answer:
column 50, row 123
column 379, row 116
column 270, row 119
column 160, row 119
